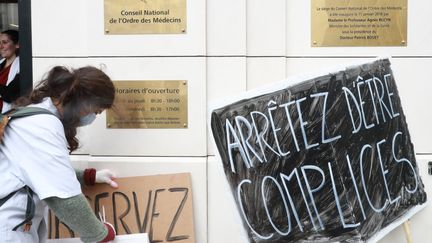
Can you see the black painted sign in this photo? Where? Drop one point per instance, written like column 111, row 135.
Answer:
column 328, row 159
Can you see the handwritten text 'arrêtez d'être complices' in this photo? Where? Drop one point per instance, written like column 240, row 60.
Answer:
column 313, row 212
column 248, row 136
column 259, row 142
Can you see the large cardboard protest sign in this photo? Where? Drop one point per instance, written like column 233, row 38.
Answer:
column 327, row 159
column 160, row 205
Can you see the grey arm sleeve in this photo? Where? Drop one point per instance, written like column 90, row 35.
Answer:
column 77, row 214
column 80, row 176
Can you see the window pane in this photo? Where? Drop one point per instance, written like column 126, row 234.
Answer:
column 8, row 16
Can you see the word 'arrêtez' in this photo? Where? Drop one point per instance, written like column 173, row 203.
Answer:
column 241, row 139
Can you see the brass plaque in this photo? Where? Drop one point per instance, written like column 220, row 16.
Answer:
column 149, row 104
column 145, row 17
column 359, row 23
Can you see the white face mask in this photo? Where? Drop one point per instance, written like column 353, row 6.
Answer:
column 87, row 119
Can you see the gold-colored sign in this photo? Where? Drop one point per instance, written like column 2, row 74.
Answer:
column 149, row 104
column 145, row 16
column 359, row 23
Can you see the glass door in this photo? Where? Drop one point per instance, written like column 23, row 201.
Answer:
column 8, row 15
column 16, row 15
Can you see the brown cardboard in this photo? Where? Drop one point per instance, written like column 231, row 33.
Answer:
column 160, row 205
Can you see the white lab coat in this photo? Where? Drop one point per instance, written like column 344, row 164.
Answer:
column 35, row 154
column 14, row 70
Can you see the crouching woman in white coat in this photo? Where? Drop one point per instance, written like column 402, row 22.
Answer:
column 35, row 166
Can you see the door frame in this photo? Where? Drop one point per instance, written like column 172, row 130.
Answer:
column 26, row 55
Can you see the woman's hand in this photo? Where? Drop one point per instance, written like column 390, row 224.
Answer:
column 106, row 176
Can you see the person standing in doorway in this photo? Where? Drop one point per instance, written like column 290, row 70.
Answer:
column 9, row 69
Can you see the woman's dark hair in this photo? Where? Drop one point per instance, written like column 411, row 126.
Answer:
column 13, row 36
column 79, row 91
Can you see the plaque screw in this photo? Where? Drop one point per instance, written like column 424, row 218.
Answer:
column 184, row 82
column 108, row 124
column 314, row 42
column 107, row 31
column 184, row 125
column 430, row 167
column 403, row 42
column 183, row 30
